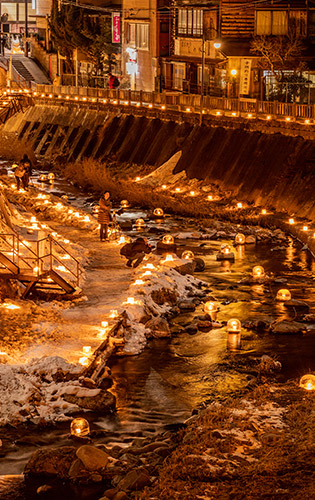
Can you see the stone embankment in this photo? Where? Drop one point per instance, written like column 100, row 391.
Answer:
column 267, row 162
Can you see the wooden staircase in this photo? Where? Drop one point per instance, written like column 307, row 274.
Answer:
column 35, row 264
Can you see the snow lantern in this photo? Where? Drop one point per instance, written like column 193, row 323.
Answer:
column 158, row 212
column 188, row 255
column 264, row 211
column 80, row 427
column 258, row 272
column 124, row 203
column 168, row 239
column 210, row 307
column 140, row 223
column 239, row 204
column 51, row 176
column 240, row 239
column 225, row 249
column 283, row 294
column 42, row 177
column 308, row 382
column 291, row 221
column 234, row 325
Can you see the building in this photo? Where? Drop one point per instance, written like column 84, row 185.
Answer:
column 146, row 38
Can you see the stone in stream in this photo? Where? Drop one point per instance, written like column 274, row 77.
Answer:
column 186, row 305
column 96, row 400
column 187, row 268
column 92, row 458
column 158, row 327
column 200, row 265
column 296, row 304
column 250, row 239
column 53, row 462
column 287, row 327
column 135, row 480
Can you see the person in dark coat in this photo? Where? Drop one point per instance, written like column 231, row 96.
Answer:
column 104, row 215
column 135, row 251
column 27, row 164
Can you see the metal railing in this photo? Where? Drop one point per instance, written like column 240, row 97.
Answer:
column 179, row 102
column 39, row 256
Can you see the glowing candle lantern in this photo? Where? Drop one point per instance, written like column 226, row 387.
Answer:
column 234, row 325
column 210, row 197
column 33, row 219
column 35, row 271
column 291, row 221
column 163, row 107
column 210, row 307
column 86, row 219
column 168, row 239
column 308, row 382
column 138, row 282
column 79, row 427
column 59, row 206
column 218, row 113
column 240, row 239
column 225, row 250
column 188, row 255
column 283, row 295
column 148, row 266
column 140, row 223
column 264, row 211
column 158, row 212
column 192, row 193
column 150, row 106
column 147, row 273
column 137, row 179
column 258, row 272
column 124, row 203
column 84, row 361
column 113, row 313
column 169, row 257
column 239, row 204
column 164, row 186
column 130, row 300
column 42, row 178
column 104, row 324
column 51, row 176
column 177, row 190
column 305, row 228
column 87, row 349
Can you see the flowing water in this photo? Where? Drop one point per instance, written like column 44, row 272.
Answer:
column 159, row 388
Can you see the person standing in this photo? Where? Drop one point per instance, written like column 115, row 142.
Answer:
column 26, row 163
column 104, row 215
column 113, row 81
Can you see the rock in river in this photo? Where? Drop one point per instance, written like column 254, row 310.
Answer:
column 95, row 400
column 92, row 458
column 53, row 462
column 287, row 327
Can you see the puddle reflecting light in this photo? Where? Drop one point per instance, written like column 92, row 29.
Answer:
column 147, row 273
column 308, row 382
column 168, row 239
column 234, row 325
column 188, row 255
column 258, row 272
column 233, row 341
column 240, row 239
column 283, row 294
column 80, row 427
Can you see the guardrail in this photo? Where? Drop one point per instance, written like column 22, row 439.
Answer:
column 188, row 103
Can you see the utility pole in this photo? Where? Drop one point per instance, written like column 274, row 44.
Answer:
column 26, row 31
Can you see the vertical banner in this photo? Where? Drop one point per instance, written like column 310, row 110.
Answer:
column 246, row 65
column 115, row 27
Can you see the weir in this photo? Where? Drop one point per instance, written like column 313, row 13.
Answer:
column 264, row 162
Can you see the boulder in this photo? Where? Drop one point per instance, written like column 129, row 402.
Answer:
column 287, row 327
column 297, row 304
column 135, row 480
column 52, row 462
column 92, row 458
column 187, row 268
column 186, row 305
column 269, row 365
column 104, row 401
column 164, row 295
column 162, row 248
column 159, row 327
column 204, row 325
column 200, row 265
column 250, row 239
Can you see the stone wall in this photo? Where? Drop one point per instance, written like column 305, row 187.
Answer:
column 257, row 162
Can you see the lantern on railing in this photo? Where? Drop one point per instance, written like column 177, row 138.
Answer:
column 124, row 203
column 188, row 255
column 168, row 239
column 308, row 382
column 158, row 212
column 233, row 325
column 80, row 427
column 258, row 272
column 283, row 294
column 240, row 239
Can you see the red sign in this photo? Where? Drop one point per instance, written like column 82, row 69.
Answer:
column 116, row 27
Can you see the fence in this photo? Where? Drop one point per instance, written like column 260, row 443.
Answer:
column 193, row 103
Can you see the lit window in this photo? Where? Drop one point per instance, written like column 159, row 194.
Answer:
column 190, row 22
column 139, row 35
column 271, row 22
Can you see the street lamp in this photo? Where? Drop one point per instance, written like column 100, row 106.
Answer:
column 217, row 46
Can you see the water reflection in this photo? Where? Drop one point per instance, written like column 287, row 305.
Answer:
column 233, row 342
column 225, row 266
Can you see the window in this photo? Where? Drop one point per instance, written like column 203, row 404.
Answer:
column 179, row 74
column 190, row 22
column 271, row 22
column 138, row 35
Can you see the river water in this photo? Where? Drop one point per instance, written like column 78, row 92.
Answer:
column 159, row 388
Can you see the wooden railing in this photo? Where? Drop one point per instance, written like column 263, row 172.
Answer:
column 187, row 103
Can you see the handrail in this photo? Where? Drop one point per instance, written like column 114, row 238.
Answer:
column 18, row 243
column 175, row 101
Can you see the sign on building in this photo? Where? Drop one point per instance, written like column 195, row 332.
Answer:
column 245, row 76
column 116, row 27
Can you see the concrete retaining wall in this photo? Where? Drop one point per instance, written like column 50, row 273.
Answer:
column 258, row 163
